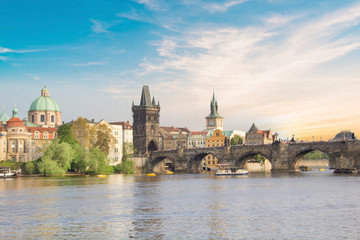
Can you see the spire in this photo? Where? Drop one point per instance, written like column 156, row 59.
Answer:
column 214, row 108
column 153, row 101
column 145, row 96
column 15, row 111
column 253, row 128
column 3, row 116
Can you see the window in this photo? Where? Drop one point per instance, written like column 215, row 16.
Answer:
column 13, row 143
column 116, row 159
column 116, row 133
column 46, row 135
column 42, row 118
column 37, row 134
column 32, row 118
column 116, row 150
column 52, row 118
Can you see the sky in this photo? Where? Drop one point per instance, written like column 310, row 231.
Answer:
column 292, row 66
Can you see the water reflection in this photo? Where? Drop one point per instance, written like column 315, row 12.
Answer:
column 259, row 206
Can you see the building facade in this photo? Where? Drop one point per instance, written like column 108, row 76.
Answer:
column 258, row 137
column 197, row 139
column 146, row 126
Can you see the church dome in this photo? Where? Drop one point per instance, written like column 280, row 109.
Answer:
column 44, row 102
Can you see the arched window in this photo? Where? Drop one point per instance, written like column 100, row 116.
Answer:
column 46, row 135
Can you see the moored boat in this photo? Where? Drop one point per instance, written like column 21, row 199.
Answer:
column 151, row 174
column 345, row 170
column 225, row 170
column 7, row 173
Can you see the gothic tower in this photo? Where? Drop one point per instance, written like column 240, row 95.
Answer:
column 214, row 120
column 146, row 127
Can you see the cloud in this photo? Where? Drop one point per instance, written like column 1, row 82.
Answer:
column 98, row 26
column 2, row 58
column 216, row 7
column 285, row 75
column 33, row 76
column 89, row 64
column 8, row 50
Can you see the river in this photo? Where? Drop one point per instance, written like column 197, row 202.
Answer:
column 302, row 205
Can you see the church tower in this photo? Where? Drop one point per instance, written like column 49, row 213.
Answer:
column 214, row 120
column 146, row 126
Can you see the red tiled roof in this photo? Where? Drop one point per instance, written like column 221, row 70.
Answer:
column 14, row 122
column 41, row 129
column 199, row 133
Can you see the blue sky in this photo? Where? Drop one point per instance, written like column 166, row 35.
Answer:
column 289, row 65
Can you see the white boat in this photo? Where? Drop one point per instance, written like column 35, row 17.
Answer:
column 225, row 170
column 7, row 173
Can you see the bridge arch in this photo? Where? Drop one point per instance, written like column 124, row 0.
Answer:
column 294, row 161
column 243, row 159
column 161, row 160
column 194, row 165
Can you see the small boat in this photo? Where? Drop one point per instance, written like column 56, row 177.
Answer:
column 151, row 174
column 345, row 170
column 169, row 172
column 321, row 169
column 7, row 173
column 305, row 168
column 225, row 170
column 101, row 175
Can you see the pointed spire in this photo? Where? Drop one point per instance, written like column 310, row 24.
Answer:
column 133, row 103
column 214, row 108
column 145, row 96
column 253, row 128
column 153, row 101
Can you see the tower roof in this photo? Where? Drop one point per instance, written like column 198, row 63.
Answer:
column 253, row 128
column 146, row 98
column 4, row 117
column 214, row 108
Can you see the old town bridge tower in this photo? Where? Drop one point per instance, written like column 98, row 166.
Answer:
column 146, row 133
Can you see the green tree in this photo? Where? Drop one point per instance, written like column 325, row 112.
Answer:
column 65, row 134
column 128, row 151
column 236, row 140
column 83, row 132
column 97, row 161
column 79, row 161
column 127, row 166
column 259, row 158
column 104, row 138
column 30, row 168
column 49, row 167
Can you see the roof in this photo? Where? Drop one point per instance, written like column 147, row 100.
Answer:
column 41, row 129
column 4, row 117
column 44, row 103
column 27, row 123
column 253, row 128
column 175, row 129
column 14, row 122
column 125, row 125
column 214, row 108
column 199, row 133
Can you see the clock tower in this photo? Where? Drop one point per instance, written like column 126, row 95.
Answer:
column 214, row 120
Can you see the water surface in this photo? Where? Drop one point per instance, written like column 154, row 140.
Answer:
column 309, row 205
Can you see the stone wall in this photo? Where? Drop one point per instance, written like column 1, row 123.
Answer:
column 258, row 166
column 314, row 163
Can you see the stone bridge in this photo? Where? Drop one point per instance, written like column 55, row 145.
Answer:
column 282, row 156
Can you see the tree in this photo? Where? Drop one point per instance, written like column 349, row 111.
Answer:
column 259, row 158
column 79, row 162
column 97, row 161
column 56, row 160
column 128, row 151
column 236, row 140
column 83, row 132
column 65, row 134
column 104, row 138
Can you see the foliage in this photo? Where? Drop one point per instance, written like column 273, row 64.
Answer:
column 259, row 158
column 127, row 166
column 236, row 140
column 30, row 168
column 97, row 161
column 11, row 164
column 65, row 134
column 83, row 132
column 316, row 155
column 79, row 161
column 104, row 138
column 128, row 151
column 49, row 167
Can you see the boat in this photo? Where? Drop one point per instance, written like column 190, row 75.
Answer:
column 321, row 169
column 169, row 172
column 226, row 170
column 101, row 175
column 151, row 174
column 7, row 173
column 305, row 168
column 345, row 170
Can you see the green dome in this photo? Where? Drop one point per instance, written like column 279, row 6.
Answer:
column 44, row 103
